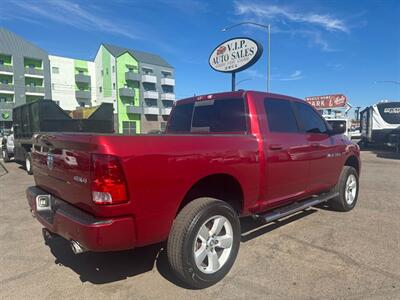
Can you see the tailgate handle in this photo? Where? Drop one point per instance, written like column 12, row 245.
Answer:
column 315, row 145
column 276, row 146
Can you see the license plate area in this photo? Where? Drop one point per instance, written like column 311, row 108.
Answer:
column 43, row 203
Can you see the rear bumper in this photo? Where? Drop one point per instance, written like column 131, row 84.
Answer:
column 75, row 224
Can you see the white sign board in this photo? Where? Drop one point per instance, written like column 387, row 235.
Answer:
column 235, row 55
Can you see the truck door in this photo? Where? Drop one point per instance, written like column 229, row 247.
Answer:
column 323, row 154
column 286, row 147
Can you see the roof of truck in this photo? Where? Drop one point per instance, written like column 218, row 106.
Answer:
column 235, row 94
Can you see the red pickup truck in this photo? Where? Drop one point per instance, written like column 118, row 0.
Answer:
column 223, row 156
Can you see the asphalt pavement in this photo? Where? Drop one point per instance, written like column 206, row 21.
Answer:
column 316, row 254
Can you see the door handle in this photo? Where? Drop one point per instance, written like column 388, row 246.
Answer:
column 276, row 147
column 315, row 145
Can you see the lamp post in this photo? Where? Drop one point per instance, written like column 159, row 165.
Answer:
column 268, row 27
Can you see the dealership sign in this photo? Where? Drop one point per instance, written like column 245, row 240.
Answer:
column 328, row 101
column 235, row 55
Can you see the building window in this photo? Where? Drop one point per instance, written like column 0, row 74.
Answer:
column 55, row 70
column 163, row 126
column 147, row 71
column 52, row 86
column 113, row 69
column 102, row 73
column 81, row 72
column 113, row 85
column 1, row 62
column 6, row 98
column 128, row 127
column 100, row 89
column 106, row 71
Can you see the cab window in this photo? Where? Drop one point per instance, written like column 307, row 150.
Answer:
column 310, row 120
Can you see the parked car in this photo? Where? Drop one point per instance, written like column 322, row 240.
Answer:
column 223, row 156
column 7, row 146
column 355, row 133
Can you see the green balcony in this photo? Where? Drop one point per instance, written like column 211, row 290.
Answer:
column 82, row 78
column 6, row 69
column 126, row 92
column 6, row 87
column 132, row 76
column 82, row 94
column 31, row 89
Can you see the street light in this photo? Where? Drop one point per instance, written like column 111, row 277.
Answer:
column 268, row 27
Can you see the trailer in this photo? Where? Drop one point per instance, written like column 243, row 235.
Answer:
column 380, row 125
column 46, row 116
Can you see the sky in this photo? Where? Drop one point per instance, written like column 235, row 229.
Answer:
column 317, row 47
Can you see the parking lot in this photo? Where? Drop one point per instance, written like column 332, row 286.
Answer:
column 318, row 253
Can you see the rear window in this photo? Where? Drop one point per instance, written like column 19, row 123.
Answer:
column 217, row 116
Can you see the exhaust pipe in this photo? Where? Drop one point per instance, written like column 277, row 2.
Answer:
column 77, row 248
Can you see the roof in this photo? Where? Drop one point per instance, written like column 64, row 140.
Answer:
column 13, row 43
column 143, row 57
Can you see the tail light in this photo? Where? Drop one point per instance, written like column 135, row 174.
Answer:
column 108, row 180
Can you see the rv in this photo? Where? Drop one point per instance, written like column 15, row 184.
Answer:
column 380, row 125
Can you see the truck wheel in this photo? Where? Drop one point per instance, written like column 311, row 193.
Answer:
column 204, row 242
column 347, row 187
column 28, row 163
column 4, row 154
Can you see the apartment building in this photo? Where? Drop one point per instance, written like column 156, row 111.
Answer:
column 139, row 84
column 73, row 82
column 24, row 74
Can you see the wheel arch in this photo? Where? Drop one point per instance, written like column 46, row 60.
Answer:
column 220, row 186
column 353, row 161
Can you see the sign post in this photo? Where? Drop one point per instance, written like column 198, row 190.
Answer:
column 235, row 55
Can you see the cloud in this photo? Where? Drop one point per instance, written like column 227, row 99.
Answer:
column 274, row 12
column 254, row 74
column 296, row 75
column 291, row 21
column 71, row 14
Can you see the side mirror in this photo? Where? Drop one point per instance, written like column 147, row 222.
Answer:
column 337, row 128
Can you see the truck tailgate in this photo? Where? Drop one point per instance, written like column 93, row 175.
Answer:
column 61, row 165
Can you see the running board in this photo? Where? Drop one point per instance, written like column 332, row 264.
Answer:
column 295, row 207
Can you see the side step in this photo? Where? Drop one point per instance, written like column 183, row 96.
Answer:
column 295, row 207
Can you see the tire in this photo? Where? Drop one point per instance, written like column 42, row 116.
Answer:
column 28, row 163
column 348, row 195
column 5, row 155
column 186, row 238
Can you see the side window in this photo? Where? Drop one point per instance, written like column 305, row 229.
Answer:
column 312, row 122
column 280, row 116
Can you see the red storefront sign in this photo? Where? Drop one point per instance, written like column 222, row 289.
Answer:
column 327, row 101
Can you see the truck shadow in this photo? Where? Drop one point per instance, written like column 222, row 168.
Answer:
column 106, row 267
